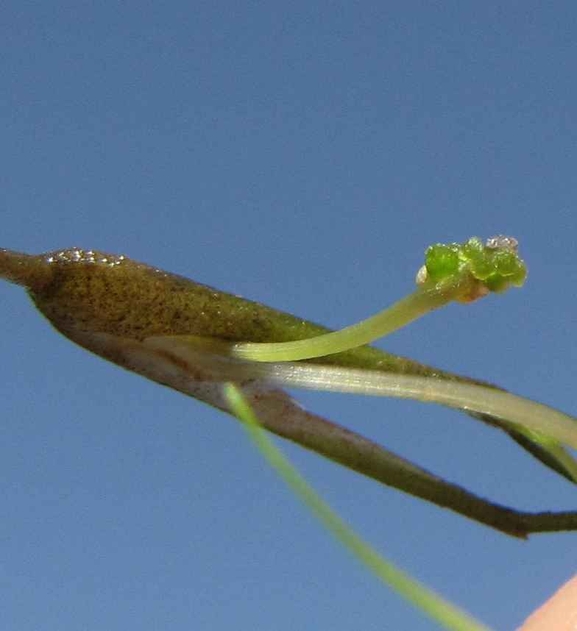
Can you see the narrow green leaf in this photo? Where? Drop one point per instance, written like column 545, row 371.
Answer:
column 431, row 604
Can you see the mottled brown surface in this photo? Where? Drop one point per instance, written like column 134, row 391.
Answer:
column 92, row 291
column 109, row 304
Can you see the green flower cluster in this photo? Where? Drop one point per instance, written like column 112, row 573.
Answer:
column 495, row 264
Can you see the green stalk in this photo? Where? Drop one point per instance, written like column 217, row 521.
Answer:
column 541, row 422
column 460, row 272
column 431, row 604
column 398, row 315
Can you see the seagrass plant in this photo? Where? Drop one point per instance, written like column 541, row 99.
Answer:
column 237, row 355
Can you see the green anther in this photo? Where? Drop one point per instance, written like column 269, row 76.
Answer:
column 441, row 261
column 473, row 254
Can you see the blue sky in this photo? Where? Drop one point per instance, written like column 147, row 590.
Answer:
column 303, row 155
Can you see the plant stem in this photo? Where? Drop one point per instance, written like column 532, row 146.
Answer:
column 506, row 406
column 418, row 303
column 442, row 611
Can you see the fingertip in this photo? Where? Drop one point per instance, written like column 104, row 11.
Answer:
column 559, row 613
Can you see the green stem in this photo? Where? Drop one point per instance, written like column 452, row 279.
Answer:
column 462, row 272
column 430, row 603
column 401, row 313
column 541, row 420
column 508, row 407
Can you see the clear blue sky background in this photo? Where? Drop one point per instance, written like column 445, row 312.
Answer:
column 304, row 155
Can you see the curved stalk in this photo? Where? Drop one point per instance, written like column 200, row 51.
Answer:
column 509, row 407
column 401, row 313
column 460, row 272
